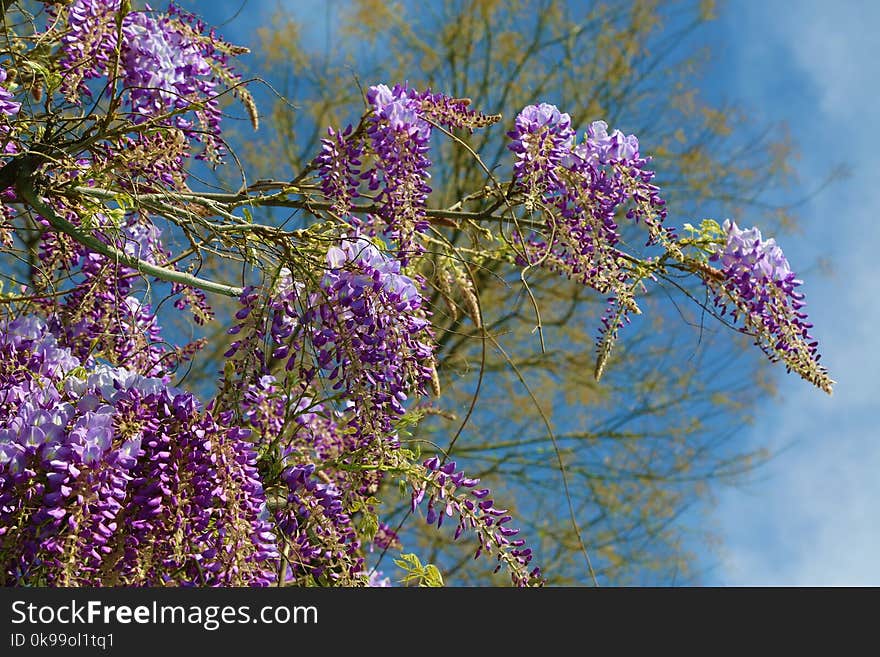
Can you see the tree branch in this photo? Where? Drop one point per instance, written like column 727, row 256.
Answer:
column 24, row 187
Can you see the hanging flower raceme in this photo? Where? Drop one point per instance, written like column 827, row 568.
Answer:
column 364, row 325
column 451, row 494
column 373, row 340
column 339, row 167
column 579, row 189
column 357, row 336
column 104, row 314
column 169, row 67
column 89, row 44
column 541, row 140
column 8, row 105
column 9, row 108
column 396, row 140
column 111, row 478
column 310, row 496
column 320, row 539
column 758, row 286
column 399, row 139
column 167, row 70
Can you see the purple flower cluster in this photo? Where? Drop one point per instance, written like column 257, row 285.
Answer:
column 8, row 105
column 450, row 493
column 339, row 167
column 542, row 142
column 399, row 138
column 168, row 65
column 365, row 325
column 166, row 70
column 592, row 179
column 605, row 148
column 396, row 144
column 89, row 44
column 372, row 338
column 111, row 478
column 102, row 315
column 104, row 312
column 358, row 346
column 749, row 259
column 580, row 190
column 9, row 108
column 760, row 285
column 320, row 537
column 386, row 538
column 153, row 160
column 160, row 65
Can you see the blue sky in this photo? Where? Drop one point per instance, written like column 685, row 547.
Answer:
column 810, row 517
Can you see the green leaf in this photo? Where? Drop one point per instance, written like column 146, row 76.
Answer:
column 368, row 526
column 433, row 578
column 415, row 573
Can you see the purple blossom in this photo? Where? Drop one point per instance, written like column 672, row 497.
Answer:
column 759, row 286
column 541, row 140
column 607, row 148
column 371, row 334
column 88, row 44
column 453, row 112
column 143, row 240
column 8, row 106
column 339, row 167
column 328, row 548
column 398, row 131
column 8, row 109
column 585, row 186
column 451, row 494
column 166, row 70
column 127, row 478
column 399, row 137
column 168, row 65
column 365, row 325
column 160, row 65
column 747, row 253
column 401, row 110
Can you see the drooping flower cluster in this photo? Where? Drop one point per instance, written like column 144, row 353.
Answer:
column 759, row 286
column 580, row 189
column 328, row 549
column 8, row 105
column 88, row 44
column 169, row 68
column 542, row 140
column 166, row 70
column 9, row 108
column 453, row 113
column 110, row 478
column 364, row 325
column 372, row 336
column 339, row 165
column 397, row 138
column 318, row 541
column 450, row 493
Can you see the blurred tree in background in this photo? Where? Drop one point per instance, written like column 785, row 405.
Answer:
column 644, row 447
